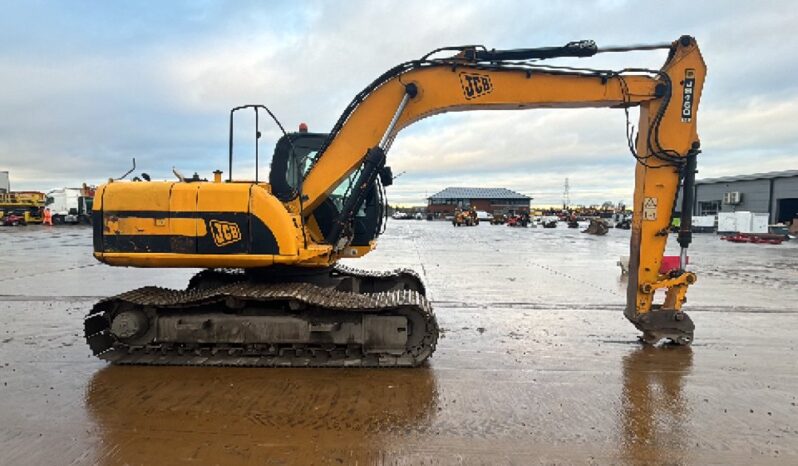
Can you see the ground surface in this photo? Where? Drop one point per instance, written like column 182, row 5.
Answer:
column 536, row 365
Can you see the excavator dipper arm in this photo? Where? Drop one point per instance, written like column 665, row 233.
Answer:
column 665, row 150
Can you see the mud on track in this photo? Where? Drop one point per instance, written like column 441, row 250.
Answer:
column 544, row 370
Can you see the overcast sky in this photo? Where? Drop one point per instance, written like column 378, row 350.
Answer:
column 86, row 86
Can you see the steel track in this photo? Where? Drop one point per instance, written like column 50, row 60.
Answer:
column 230, row 288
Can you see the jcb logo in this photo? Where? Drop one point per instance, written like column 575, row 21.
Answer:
column 224, row 233
column 688, row 87
column 475, row 85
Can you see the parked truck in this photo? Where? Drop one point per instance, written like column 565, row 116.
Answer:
column 69, row 205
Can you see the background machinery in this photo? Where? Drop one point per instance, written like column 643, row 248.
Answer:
column 25, row 204
column 70, row 205
column 498, row 219
column 273, row 293
column 518, row 220
column 467, row 217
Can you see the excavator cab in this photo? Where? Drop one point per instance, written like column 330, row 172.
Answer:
column 294, row 154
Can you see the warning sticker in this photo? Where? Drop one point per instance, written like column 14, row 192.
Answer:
column 650, row 208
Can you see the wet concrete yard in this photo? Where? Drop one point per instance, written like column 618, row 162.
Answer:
column 536, row 364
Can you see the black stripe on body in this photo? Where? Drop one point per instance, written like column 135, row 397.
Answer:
column 256, row 237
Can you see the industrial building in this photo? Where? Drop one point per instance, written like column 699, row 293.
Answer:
column 775, row 193
column 493, row 200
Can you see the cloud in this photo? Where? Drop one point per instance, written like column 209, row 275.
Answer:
column 89, row 85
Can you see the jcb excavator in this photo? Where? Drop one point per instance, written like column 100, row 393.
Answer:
column 273, row 294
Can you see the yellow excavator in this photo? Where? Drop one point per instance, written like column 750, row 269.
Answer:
column 272, row 292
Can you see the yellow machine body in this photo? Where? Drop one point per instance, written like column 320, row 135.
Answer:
column 198, row 224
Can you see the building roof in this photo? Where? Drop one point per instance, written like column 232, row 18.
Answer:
column 755, row 176
column 478, row 193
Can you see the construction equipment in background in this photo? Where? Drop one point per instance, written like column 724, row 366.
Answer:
column 519, row 220
column 498, row 219
column 13, row 218
column 274, row 294
column 465, row 218
column 573, row 222
column 25, row 204
column 621, row 220
column 549, row 222
column 71, row 205
column 755, row 238
column 624, row 224
column 597, row 226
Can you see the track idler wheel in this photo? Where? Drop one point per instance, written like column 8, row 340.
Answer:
column 129, row 324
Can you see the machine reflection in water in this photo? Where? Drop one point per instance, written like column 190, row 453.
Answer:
column 149, row 415
column 654, row 408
